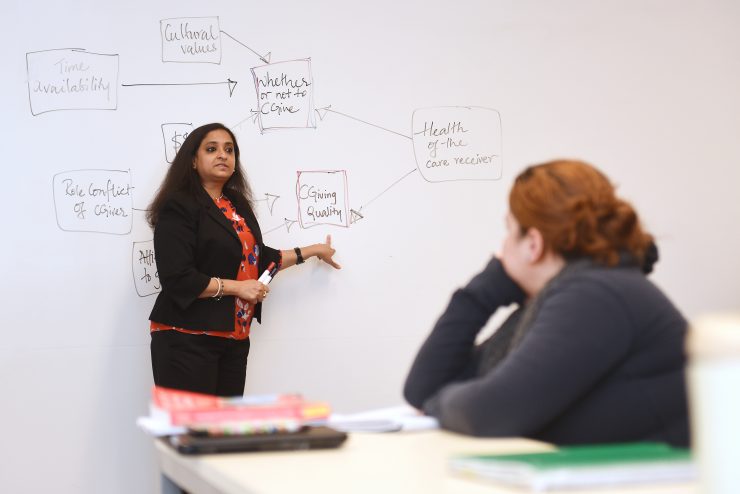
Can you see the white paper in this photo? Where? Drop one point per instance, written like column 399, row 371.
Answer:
column 156, row 427
column 390, row 419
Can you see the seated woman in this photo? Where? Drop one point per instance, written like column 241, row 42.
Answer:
column 594, row 352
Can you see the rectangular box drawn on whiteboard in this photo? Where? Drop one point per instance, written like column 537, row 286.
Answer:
column 322, row 198
column 457, row 143
column 191, row 40
column 71, row 79
column 174, row 134
column 94, row 201
column 285, row 95
column 144, row 267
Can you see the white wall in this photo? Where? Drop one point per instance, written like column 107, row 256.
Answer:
column 647, row 90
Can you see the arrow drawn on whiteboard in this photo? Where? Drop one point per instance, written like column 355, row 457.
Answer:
column 270, row 200
column 355, row 216
column 286, row 224
column 321, row 112
column 386, row 190
column 253, row 117
column 265, row 58
column 289, row 223
column 232, row 84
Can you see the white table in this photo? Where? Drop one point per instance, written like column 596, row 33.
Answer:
column 377, row 463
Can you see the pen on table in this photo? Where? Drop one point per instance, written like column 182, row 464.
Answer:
column 268, row 274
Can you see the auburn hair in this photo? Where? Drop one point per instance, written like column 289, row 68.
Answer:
column 576, row 209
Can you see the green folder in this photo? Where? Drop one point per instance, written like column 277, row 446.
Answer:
column 581, row 466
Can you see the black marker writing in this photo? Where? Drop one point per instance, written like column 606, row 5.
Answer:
column 66, row 67
column 450, row 128
column 327, row 212
column 185, row 33
column 309, row 191
column 281, row 81
column 68, row 86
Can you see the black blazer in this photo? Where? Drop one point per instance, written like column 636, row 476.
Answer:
column 193, row 242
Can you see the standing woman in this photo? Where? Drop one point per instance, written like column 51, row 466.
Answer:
column 209, row 253
column 594, row 352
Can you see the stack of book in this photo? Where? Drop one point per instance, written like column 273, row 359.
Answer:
column 215, row 415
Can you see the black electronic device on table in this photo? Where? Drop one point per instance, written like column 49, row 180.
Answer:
column 319, row 437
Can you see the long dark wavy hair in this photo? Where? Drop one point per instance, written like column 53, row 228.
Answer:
column 182, row 177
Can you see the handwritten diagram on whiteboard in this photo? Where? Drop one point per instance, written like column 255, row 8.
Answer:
column 191, row 40
column 71, row 79
column 144, row 268
column 285, row 95
column 94, row 201
column 449, row 143
column 174, row 134
column 457, row 143
column 322, row 198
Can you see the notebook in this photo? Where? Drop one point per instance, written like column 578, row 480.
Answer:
column 581, row 466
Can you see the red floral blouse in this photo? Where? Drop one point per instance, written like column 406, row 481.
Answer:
column 247, row 271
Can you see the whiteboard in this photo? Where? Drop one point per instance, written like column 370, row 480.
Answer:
column 396, row 127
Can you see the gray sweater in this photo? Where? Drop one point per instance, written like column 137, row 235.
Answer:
column 597, row 356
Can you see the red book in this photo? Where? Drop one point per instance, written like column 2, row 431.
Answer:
column 188, row 408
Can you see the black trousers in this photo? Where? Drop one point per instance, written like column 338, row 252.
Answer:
column 199, row 363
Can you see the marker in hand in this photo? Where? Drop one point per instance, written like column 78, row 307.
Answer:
column 268, row 274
